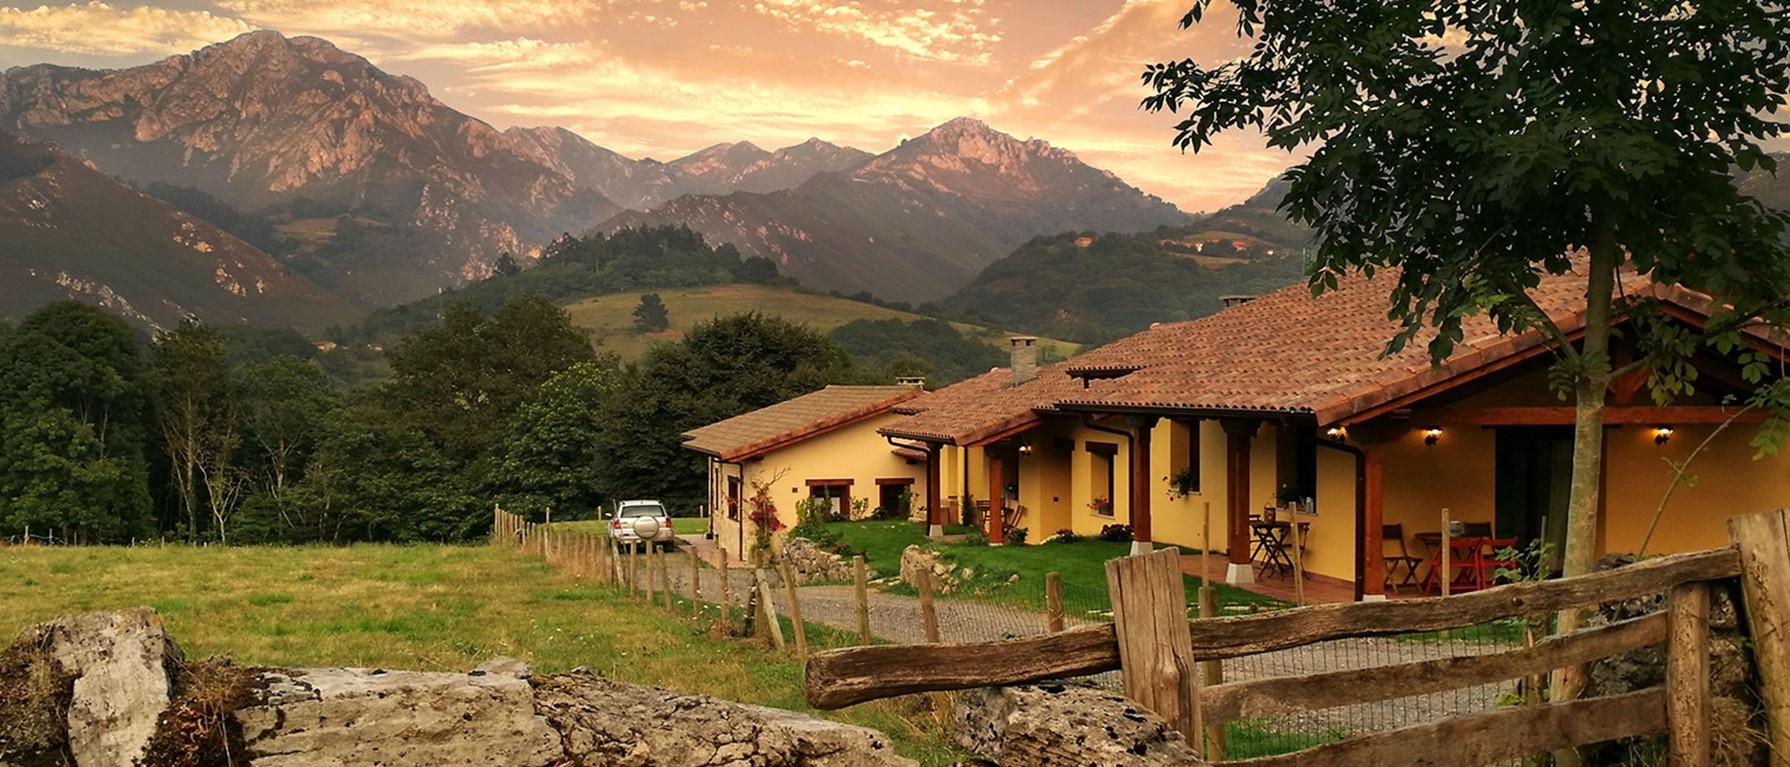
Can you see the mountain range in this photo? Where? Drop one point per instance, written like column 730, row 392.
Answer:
column 384, row 194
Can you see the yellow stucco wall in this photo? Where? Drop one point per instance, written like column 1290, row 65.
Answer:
column 1728, row 483
column 1456, row 474
column 855, row 452
column 1181, row 521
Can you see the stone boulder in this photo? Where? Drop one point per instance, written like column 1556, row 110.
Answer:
column 120, row 663
column 1063, row 725
column 345, row 716
column 610, row 723
column 946, row 577
column 813, row 564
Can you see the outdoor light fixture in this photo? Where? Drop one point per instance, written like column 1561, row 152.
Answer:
column 1431, row 435
column 1025, row 449
column 1662, row 435
column 1337, row 433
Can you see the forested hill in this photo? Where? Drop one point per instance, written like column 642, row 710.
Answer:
column 1092, row 287
column 579, row 267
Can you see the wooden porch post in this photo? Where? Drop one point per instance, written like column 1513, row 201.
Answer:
column 996, row 492
column 935, row 509
column 1238, row 433
column 1140, row 484
column 1371, row 562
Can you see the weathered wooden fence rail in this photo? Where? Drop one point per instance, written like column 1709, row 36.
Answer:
column 1761, row 556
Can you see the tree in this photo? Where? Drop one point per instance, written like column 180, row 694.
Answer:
column 650, row 315
column 1471, row 148
column 284, row 405
column 505, row 266
column 551, row 457
column 196, row 408
column 722, row 368
column 73, row 415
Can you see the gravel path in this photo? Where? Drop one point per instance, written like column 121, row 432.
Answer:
column 896, row 618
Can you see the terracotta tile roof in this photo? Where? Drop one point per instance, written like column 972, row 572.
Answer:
column 1285, row 352
column 1288, row 352
column 988, row 405
column 766, row 429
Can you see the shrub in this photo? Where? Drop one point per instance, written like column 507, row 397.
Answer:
column 975, row 538
column 1064, row 535
column 1116, row 533
column 1017, row 536
column 812, row 515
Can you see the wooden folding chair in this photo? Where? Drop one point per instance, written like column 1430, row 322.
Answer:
column 1396, row 533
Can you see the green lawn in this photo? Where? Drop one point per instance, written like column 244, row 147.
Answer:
column 429, row 608
column 1082, row 565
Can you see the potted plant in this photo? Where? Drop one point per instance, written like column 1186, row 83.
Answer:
column 1289, row 498
column 1102, row 505
column 1181, row 484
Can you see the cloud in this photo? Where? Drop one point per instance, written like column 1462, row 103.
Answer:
column 522, row 53
column 957, row 32
column 100, row 29
column 428, row 19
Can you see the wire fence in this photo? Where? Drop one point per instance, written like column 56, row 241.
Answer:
column 838, row 615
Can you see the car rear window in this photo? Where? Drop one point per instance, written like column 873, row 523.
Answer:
column 643, row 510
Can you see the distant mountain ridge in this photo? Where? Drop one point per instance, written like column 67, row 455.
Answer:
column 71, row 232
column 919, row 220
column 719, row 169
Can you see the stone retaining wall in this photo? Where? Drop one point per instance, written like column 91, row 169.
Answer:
column 812, row 564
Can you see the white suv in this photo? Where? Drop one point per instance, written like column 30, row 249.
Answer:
column 621, row 524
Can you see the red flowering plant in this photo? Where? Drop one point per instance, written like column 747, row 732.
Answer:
column 762, row 512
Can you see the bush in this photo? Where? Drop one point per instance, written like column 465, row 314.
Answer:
column 1116, row 533
column 1017, row 536
column 975, row 538
column 1064, row 535
column 812, row 516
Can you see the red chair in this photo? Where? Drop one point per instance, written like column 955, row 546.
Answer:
column 1464, row 562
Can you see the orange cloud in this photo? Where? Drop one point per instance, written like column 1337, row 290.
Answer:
column 100, row 29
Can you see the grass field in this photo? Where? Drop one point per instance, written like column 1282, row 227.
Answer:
column 1082, row 565
column 429, row 608
column 611, row 318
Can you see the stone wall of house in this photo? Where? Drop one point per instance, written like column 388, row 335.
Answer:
column 1055, row 724
column 112, row 690
column 813, row 564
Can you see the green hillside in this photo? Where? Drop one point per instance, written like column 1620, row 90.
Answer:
column 610, row 318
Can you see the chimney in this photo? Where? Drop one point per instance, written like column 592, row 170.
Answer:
column 1230, row 301
column 917, row 382
column 1025, row 358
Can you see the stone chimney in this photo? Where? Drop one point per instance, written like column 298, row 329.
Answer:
column 1025, row 358
column 1230, row 301
column 917, row 382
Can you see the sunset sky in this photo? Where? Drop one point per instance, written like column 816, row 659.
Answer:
column 662, row 78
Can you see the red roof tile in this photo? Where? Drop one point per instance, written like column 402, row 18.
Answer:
column 760, row 431
column 1285, row 352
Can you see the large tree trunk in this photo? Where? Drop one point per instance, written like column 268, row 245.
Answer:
column 1586, row 495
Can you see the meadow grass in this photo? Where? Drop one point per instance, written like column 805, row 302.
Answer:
column 426, row 608
column 1081, row 564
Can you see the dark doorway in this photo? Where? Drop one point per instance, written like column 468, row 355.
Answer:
column 1534, row 477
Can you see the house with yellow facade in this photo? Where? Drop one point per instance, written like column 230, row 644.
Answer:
column 821, row 445
column 1288, row 402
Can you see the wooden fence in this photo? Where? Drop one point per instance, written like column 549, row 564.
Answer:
column 1156, row 658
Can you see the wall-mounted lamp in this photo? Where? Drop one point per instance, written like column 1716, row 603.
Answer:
column 1025, row 448
column 1431, row 435
column 1662, row 435
column 1337, row 433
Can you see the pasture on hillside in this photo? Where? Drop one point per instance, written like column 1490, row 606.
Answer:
column 421, row 607
column 610, row 318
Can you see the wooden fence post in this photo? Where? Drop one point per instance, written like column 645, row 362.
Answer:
column 726, row 599
column 929, row 619
column 1212, row 671
column 1053, row 603
column 1764, row 544
column 665, row 578
column 795, row 609
column 1687, row 675
column 767, row 608
column 695, row 586
column 1156, row 661
column 861, row 592
column 647, row 556
column 1298, row 567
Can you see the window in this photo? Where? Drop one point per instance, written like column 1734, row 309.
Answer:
column 733, row 498
column 1184, row 457
column 837, row 493
column 893, row 496
column 1101, row 456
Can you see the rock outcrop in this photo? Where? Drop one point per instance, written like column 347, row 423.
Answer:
column 1037, row 725
column 112, row 690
